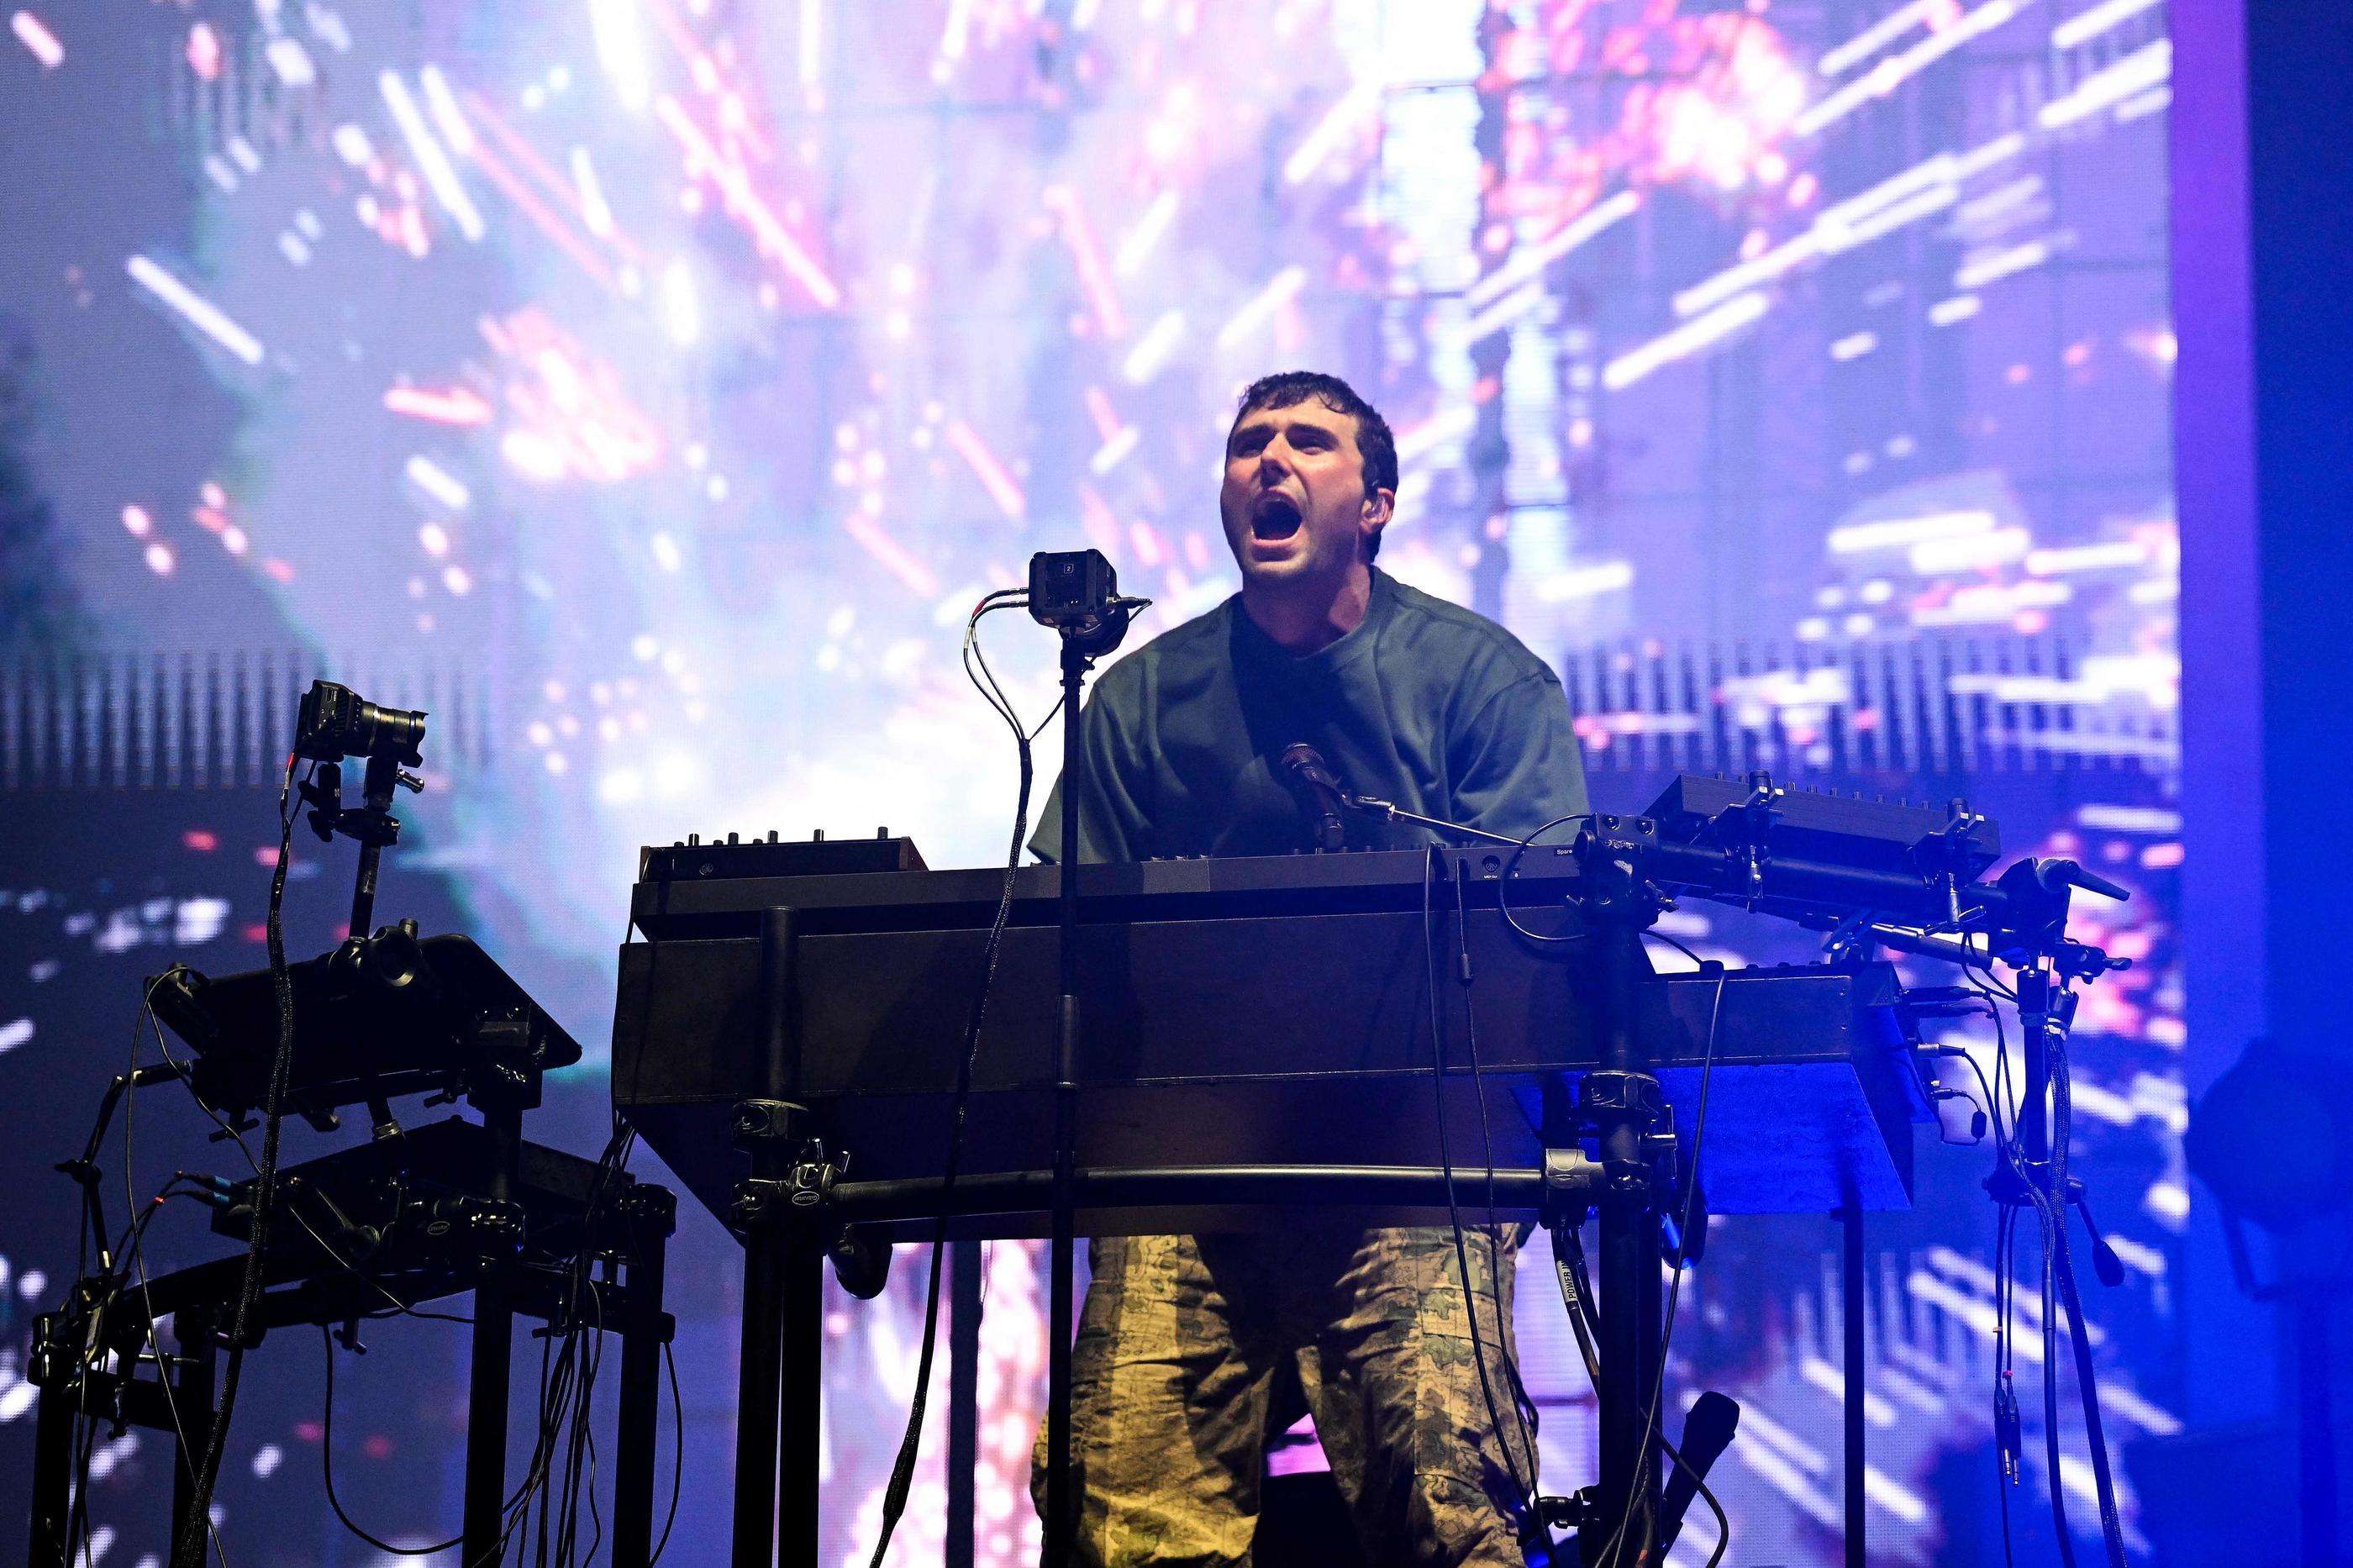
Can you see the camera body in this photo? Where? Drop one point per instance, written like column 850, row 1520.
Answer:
column 336, row 722
column 1071, row 590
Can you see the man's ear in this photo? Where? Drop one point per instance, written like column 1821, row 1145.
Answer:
column 1380, row 506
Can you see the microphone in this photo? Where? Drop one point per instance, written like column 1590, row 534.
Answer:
column 1313, row 781
column 1707, row 1433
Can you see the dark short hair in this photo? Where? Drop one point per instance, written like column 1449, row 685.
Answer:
column 1373, row 441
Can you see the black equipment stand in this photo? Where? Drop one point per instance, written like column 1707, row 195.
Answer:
column 1076, row 661
column 1621, row 1104
column 779, row 1393
column 630, row 1229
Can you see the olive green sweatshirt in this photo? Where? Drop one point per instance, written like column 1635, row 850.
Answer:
column 1424, row 704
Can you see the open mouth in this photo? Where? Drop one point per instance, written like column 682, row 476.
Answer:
column 1274, row 515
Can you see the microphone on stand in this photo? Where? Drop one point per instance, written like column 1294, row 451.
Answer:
column 1319, row 791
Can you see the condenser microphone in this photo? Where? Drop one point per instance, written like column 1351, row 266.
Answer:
column 1319, row 791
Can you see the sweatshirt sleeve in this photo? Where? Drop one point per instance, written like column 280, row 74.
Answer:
column 1515, row 762
column 1115, row 806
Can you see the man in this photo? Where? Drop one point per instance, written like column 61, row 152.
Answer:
column 1188, row 1347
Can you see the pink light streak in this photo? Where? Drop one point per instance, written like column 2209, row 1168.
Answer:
column 550, row 179
column 543, row 218
column 743, row 203
column 1094, row 276
column 458, row 406
column 891, row 554
column 35, row 35
column 1001, row 486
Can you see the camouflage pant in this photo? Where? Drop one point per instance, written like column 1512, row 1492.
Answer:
column 1187, row 1346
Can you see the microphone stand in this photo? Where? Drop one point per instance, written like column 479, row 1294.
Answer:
column 1081, row 645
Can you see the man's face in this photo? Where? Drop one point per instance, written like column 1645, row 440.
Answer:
column 1294, row 500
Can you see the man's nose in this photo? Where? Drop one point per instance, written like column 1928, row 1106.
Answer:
column 1274, row 460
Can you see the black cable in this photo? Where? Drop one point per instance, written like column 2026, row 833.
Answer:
column 265, row 1192
column 1504, row 883
column 1523, row 1407
column 902, row 1470
column 676, row 1452
column 1577, row 1294
column 327, row 1468
column 2087, row 1384
column 135, row 1239
column 1616, row 1546
column 1432, row 861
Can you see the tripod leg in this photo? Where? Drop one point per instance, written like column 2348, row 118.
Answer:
column 633, row 1484
column 486, row 1420
column 757, row 1390
column 963, row 1396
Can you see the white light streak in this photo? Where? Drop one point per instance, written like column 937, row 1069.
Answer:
column 1926, row 188
column 735, row 190
column 2085, row 25
column 291, row 61
column 1898, row 533
column 1959, row 308
column 1524, row 266
column 1854, row 345
column 1435, row 432
column 438, row 483
column 1112, row 453
column 1585, row 582
column 2088, row 558
column 812, row 43
column 1833, row 1382
column 2143, row 68
column 431, row 160
column 1497, row 316
column 35, row 35
column 1136, row 247
column 1970, row 552
column 1689, row 339
column 1989, row 267
column 443, row 105
column 1896, row 70
column 1280, row 291
column 2130, row 819
column 1911, row 210
column 1877, row 37
column 594, row 211
column 621, row 49
column 196, row 309
column 352, row 146
column 1151, row 350
column 1332, row 131
column 955, row 35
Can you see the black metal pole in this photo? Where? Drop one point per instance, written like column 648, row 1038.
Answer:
column 763, row 1128
column 641, row 1343
column 800, row 1406
column 492, row 1358
column 377, row 829
column 1851, row 1324
column 757, row 1390
column 1629, row 1262
column 964, row 1398
column 1059, row 1513
column 53, row 1469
